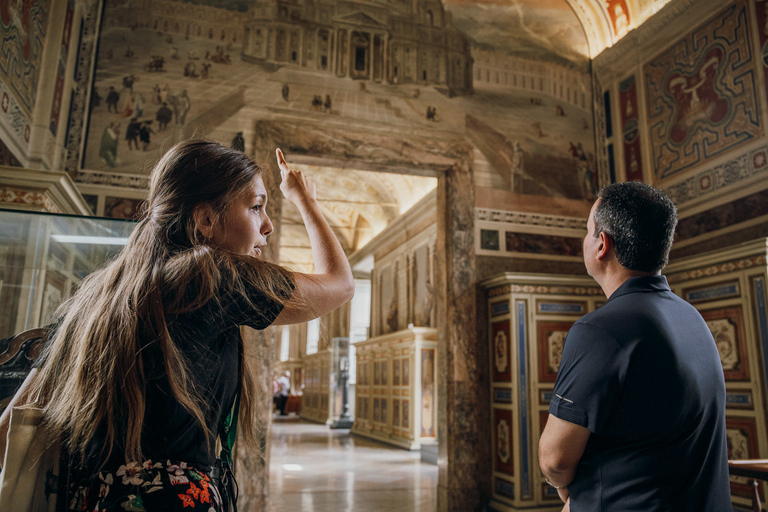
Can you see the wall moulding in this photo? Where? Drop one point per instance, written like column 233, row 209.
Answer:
column 744, row 256
column 129, row 181
column 731, row 178
column 43, row 190
column 530, row 219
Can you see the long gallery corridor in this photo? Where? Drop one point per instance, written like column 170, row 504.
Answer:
column 316, row 469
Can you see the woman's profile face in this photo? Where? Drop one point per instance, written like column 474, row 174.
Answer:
column 245, row 225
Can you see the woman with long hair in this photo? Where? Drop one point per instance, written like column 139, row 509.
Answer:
column 146, row 358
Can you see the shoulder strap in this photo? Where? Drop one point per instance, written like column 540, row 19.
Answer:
column 228, row 430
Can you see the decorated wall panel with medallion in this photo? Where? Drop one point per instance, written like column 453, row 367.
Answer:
column 702, row 94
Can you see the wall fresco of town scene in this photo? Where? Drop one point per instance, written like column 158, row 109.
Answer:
column 509, row 76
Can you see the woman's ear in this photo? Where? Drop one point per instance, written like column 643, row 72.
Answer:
column 203, row 217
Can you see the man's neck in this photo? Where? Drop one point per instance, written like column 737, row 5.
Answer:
column 616, row 276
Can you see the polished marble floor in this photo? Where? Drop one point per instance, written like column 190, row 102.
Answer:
column 316, row 469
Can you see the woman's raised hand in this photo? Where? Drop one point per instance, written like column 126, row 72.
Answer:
column 296, row 187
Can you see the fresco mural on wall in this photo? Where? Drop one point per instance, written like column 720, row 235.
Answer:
column 532, row 113
column 168, row 69
column 702, row 98
column 22, row 32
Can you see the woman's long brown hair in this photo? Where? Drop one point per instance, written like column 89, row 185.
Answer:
column 93, row 376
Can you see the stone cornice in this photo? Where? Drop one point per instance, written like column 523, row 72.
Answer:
column 529, row 219
column 113, row 179
column 543, row 283
column 57, row 186
column 740, row 257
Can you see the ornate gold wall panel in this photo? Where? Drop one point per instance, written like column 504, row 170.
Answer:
column 396, row 390
column 314, row 402
column 728, row 287
column 529, row 316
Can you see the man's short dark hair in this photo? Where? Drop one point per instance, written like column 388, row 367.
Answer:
column 641, row 222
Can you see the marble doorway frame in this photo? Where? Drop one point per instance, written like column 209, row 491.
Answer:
column 464, row 449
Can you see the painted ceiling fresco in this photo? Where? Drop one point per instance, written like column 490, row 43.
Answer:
column 546, row 30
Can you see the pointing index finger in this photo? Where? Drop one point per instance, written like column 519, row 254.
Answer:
column 281, row 161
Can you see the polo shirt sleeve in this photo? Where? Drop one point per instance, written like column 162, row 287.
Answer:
column 590, row 378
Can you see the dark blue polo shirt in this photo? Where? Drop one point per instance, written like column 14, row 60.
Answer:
column 643, row 374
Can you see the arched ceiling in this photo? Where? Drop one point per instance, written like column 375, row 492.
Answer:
column 357, row 204
column 607, row 21
column 573, row 29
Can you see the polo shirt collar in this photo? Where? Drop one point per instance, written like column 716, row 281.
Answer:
column 642, row 284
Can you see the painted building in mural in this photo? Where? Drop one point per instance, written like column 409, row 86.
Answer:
column 566, row 83
column 182, row 19
column 403, row 42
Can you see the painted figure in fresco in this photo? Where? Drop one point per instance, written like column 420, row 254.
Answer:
column 128, row 105
column 181, row 105
column 163, row 116
column 190, row 70
column 138, row 105
column 128, row 82
column 518, row 160
column 620, row 20
column 327, row 103
column 108, row 146
column 238, row 142
column 285, row 92
column 95, row 97
column 628, row 386
column 145, row 132
column 160, row 93
column 112, row 98
column 156, row 63
column 132, row 133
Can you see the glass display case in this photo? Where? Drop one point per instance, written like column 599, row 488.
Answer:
column 43, row 257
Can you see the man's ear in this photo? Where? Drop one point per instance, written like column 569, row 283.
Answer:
column 605, row 246
column 203, row 217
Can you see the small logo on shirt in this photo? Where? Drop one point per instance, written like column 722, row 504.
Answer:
column 563, row 398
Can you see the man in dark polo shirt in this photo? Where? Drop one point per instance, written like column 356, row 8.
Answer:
column 637, row 418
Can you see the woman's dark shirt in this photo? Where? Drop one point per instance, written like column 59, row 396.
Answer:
column 209, row 338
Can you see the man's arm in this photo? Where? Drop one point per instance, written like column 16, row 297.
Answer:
column 560, row 448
